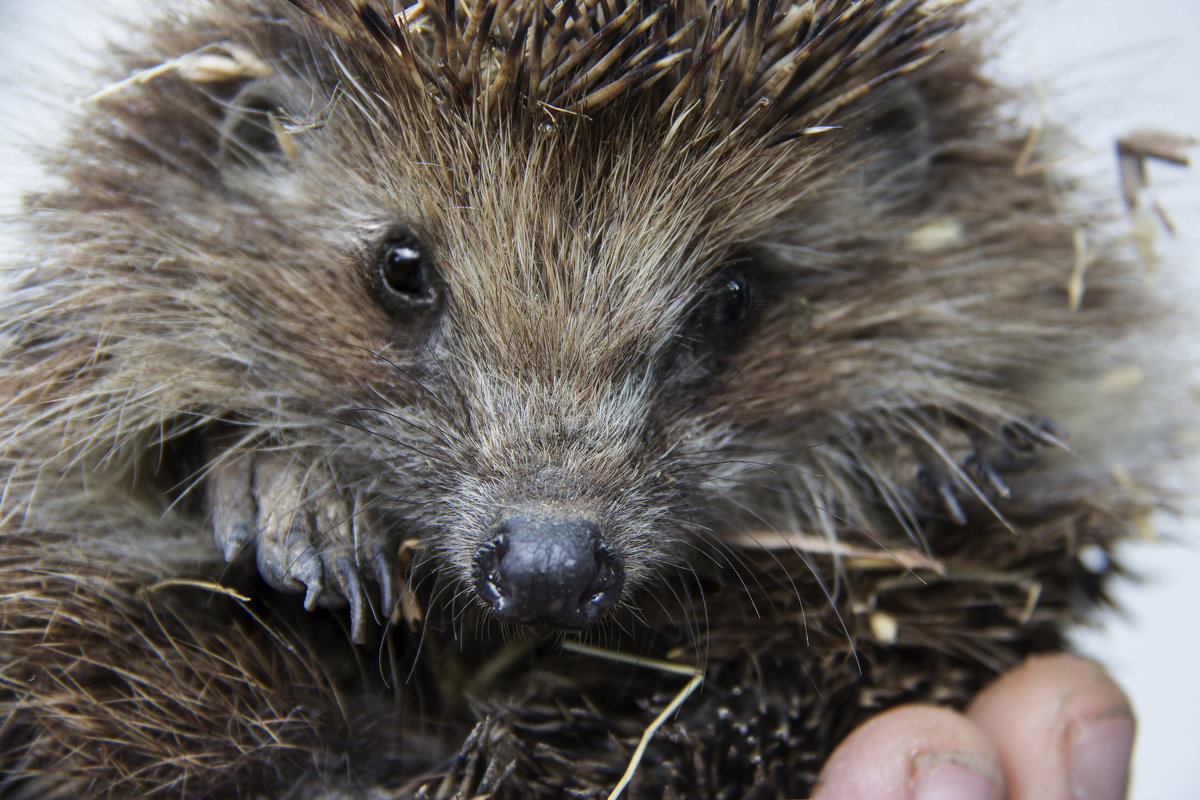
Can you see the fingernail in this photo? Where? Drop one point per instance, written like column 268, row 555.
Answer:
column 955, row 776
column 1098, row 756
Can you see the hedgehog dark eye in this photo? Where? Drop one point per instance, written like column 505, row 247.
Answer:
column 723, row 314
column 406, row 277
column 729, row 306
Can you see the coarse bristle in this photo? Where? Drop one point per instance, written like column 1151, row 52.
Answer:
column 757, row 65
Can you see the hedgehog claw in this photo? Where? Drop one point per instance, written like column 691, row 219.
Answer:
column 950, row 503
column 382, row 569
column 940, row 492
column 337, row 552
column 305, row 568
column 358, row 609
column 984, row 469
column 232, row 506
column 349, row 586
column 1022, row 441
column 311, row 595
column 1035, row 430
column 233, row 538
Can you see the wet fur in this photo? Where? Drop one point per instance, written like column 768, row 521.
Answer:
column 183, row 310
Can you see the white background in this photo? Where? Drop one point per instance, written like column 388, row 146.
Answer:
column 1104, row 67
column 1107, row 67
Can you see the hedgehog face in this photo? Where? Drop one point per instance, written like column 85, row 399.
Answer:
column 554, row 331
column 534, row 338
column 560, row 331
column 568, row 340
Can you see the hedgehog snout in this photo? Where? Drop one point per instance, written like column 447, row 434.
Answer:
column 548, row 565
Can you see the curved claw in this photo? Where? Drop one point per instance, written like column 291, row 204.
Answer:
column 336, row 524
column 349, row 585
column 306, row 569
column 1035, row 430
column 382, row 569
column 232, row 506
column 943, row 492
column 982, row 468
column 233, row 537
column 1023, row 441
column 951, row 504
column 373, row 555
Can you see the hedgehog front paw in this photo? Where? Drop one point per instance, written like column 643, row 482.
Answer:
column 306, row 533
column 1016, row 447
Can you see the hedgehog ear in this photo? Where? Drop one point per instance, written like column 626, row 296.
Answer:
column 894, row 141
column 252, row 133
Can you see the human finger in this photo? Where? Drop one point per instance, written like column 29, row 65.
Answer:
column 913, row 753
column 1064, row 730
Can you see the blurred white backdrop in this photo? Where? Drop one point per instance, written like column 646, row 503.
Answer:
column 1103, row 67
column 1107, row 67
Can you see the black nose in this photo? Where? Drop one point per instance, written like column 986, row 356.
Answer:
column 548, row 565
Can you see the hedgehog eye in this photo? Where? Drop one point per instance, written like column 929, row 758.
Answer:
column 732, row 301
column 718, row 322
column 406, row 278
column 729, row 305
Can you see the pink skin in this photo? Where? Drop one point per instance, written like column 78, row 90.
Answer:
column 1054, row 728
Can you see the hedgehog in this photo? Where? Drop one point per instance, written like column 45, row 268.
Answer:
column 370, row 369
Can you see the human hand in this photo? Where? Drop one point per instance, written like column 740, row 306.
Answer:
column 1054, row 728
